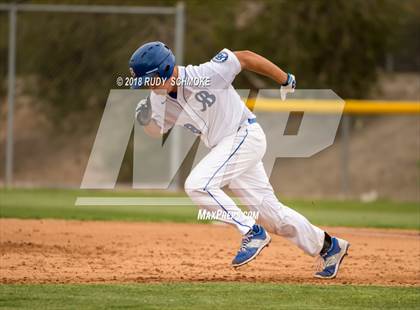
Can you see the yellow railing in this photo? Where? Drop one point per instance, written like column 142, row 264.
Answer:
column 334, row 106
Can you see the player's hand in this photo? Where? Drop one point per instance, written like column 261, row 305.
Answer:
column 288, row 87
column 144, row 111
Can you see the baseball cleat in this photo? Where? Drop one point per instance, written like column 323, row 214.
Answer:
column 252, row 244
column 333, row 258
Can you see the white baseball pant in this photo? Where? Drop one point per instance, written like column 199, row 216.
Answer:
column 236, row 162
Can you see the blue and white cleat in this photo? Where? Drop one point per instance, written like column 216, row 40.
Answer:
column 333, row 258
column 252, row 244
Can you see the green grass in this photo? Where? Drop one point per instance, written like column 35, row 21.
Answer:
column 207, row 296
column 59, row 204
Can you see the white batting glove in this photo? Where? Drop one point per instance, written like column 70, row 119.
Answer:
column 144, row 112
column 288, row 87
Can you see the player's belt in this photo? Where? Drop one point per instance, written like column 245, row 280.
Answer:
column 250, row 121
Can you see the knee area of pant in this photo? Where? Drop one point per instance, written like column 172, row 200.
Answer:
column 194, row 186
column 272, row 207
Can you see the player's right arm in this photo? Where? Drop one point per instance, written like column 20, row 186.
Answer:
column 144, row 117
column 153, row 130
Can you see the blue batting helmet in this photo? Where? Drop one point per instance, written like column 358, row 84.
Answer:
column 150, row 60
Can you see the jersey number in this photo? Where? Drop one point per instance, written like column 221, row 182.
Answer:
column 192, row 128
column 205, row 98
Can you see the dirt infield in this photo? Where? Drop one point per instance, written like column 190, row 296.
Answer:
column 55, row 251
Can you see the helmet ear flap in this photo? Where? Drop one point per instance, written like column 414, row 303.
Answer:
column 166, row 68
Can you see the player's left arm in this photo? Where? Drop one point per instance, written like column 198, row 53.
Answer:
column 261, row 65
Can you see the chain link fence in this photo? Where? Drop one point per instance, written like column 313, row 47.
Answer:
column 58, row 64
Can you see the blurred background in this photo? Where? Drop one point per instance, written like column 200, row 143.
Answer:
column 67, row 61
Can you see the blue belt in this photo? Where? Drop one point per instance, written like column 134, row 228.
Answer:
column 250, row 121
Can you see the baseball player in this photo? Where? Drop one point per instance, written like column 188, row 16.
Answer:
column 214, row 111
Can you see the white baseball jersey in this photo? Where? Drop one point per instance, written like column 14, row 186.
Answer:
column 212, row 111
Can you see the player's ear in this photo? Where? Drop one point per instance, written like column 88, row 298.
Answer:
column 167, row 68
